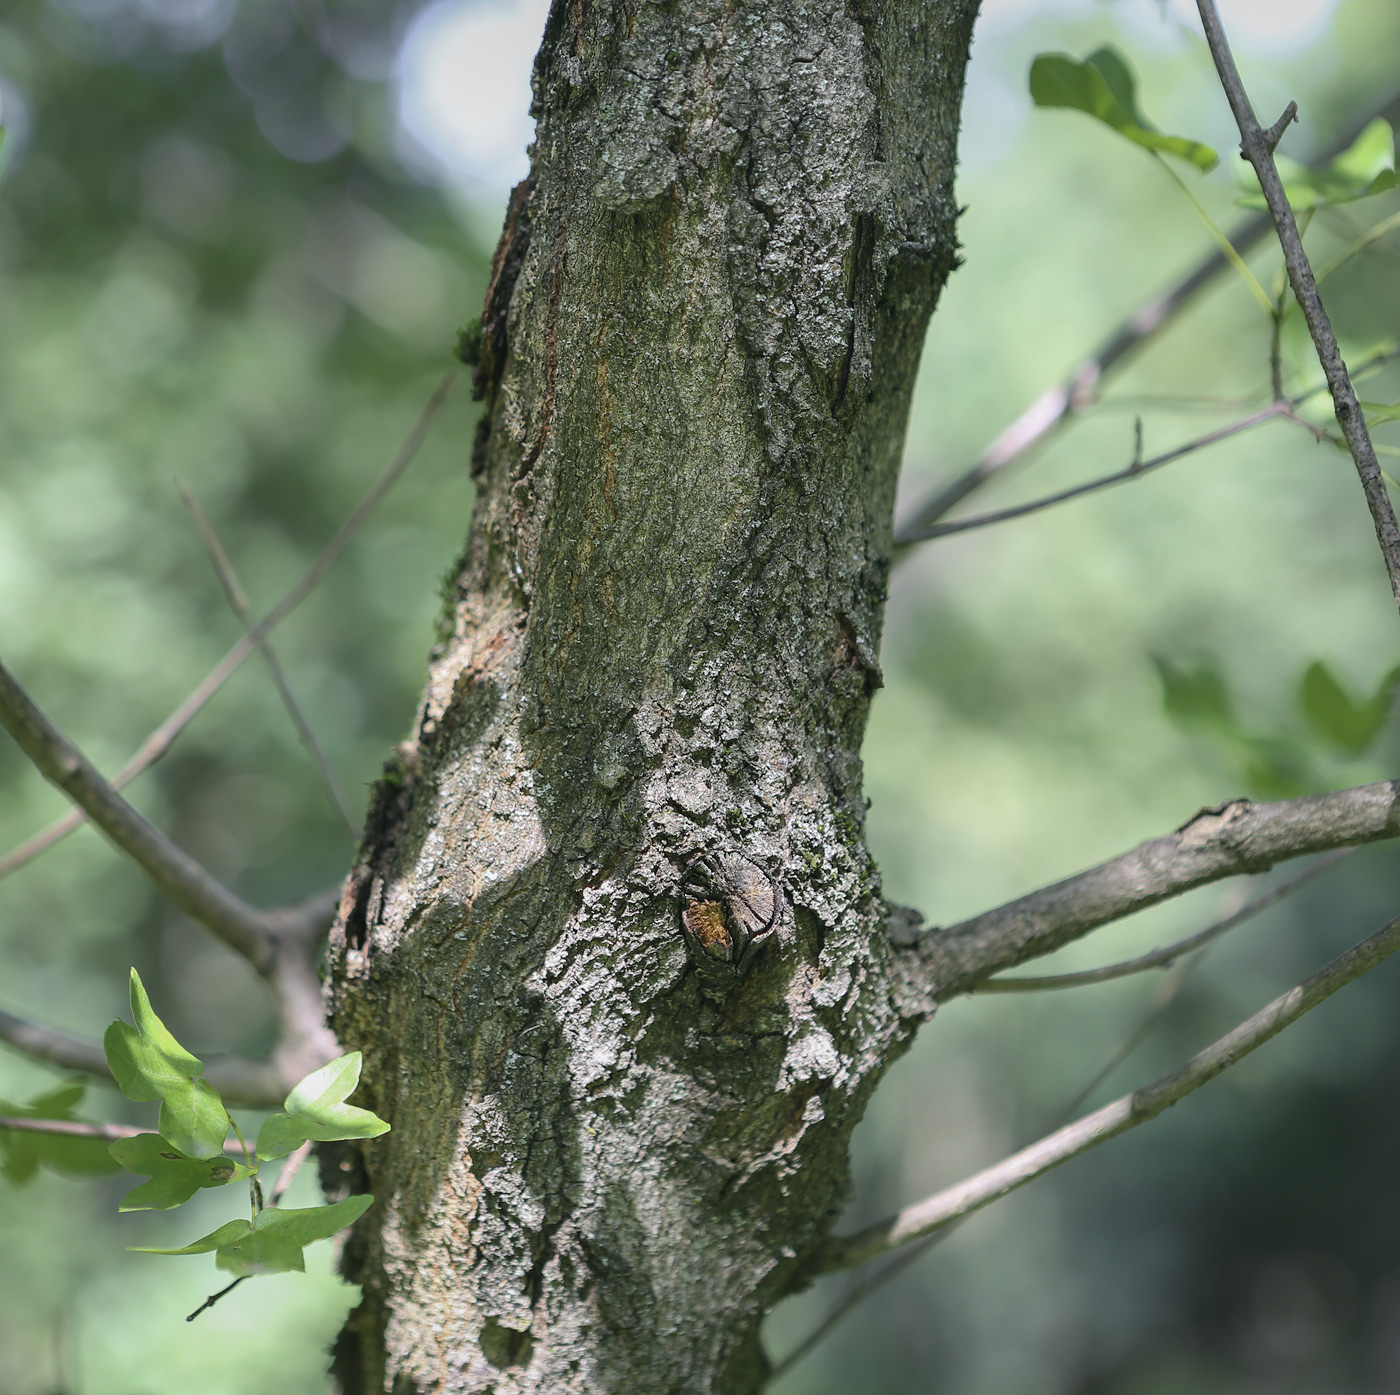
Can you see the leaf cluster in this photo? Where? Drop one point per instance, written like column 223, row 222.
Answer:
column 189, row 1152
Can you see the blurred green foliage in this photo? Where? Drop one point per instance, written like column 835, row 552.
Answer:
column 214, row 267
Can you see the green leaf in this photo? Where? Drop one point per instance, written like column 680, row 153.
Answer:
column 1103, row 86
column 1196, row 698
column 1338, row 717
column 273, row 1243
column 148, row 1064
column 1379, row 412
column 1365, row 167
column 315, row 1109
column 22, row 1153
column 175, row 1178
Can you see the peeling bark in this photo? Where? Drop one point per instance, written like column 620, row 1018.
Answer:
column 699, row 346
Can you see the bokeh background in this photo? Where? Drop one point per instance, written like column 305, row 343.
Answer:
column 236, row 239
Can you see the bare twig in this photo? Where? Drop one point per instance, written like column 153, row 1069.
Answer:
column 160, row 740
column 1236, row 838
column 1058, row 406
column 1258, row 148
column 73, row 1128
column 174, row 872
column 1135, row 470
column 1163, row 995
column 1123, row 1114
column 1164, row 958
column 239, row 1079
column 69, row 1128
column 214, row 1298
column 238, row 602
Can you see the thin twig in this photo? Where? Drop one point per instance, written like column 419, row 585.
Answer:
column 214, row 1297
column 160, row 740
column 175, row 873
column 72, row 1128
column 1135, row 470
column 238, row 603
column 1113, row 1119
column 1163, row 995
column 1164, row 958
column 1058, row 406
column 1236, row 838
column 1283, row 408
column 1371, row 236
column 69, row 1128
column 855, row 1296
column 1258, row 148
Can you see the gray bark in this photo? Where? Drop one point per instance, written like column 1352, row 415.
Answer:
column 702, row 333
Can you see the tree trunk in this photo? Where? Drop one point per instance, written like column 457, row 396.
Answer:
column 615, row 950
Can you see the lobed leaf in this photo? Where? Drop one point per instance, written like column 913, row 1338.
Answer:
column 1103, row 86
column 315, row 1109
column 273, row 1243
column 175, row 1178
column 148, row 1064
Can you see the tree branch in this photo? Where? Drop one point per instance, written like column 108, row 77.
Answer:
column 1163, row 958
column 174, row 872
column 1135, row 470
column 1058, row 406
column 160, row 740
column 1258, row 148
column 1235, row 838
column 1123, row 1114
column 239, row 1079
column 238, row 603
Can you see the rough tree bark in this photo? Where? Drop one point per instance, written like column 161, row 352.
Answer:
column 701, row 336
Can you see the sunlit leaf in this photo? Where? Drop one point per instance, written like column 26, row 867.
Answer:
column 1338, row 717
column 273, row 1243
column 1365, row 167
column 174, row 1177
column 315, row 1109
column 148, row 1064
column 1103, row 86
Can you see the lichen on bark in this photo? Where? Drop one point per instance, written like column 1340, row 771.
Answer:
column 697, row 356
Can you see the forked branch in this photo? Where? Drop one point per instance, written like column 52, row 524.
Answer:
column 1257, row 146
column 1058, row 406
column 238, row 603
column 174, row 872
column 1123, row 1114
column 1167, row 956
